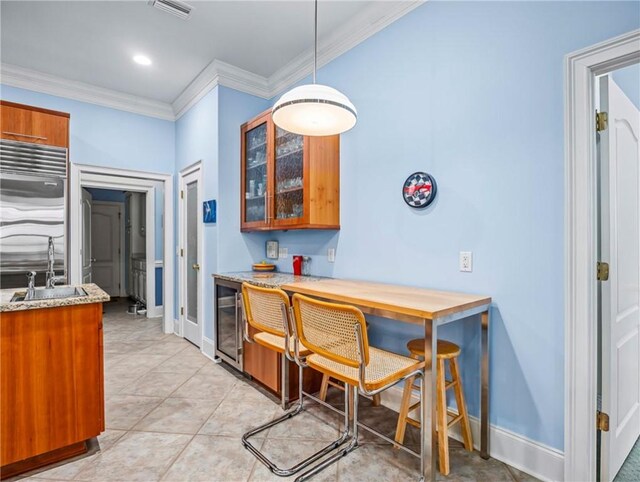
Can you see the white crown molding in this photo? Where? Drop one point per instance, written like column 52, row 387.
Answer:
column 367, row 23
column 219, row 73
column 364, row 25
column 23, row 78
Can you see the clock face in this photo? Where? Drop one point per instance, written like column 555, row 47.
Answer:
column 419, row 190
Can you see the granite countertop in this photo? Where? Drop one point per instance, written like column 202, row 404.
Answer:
column 267, row 280
column 94, row 295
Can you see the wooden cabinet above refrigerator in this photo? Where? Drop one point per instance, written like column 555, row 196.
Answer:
column 288, row 181
column 35, row 125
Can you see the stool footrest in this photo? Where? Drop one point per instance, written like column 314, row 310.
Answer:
column 453, row 421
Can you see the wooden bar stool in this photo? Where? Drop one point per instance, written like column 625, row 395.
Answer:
column 327, row 380
column 446, row 351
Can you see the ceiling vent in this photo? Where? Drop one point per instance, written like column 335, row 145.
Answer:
column 174, row 7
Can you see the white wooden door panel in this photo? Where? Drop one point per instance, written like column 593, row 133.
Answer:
column 620, row 302
column 105, row 246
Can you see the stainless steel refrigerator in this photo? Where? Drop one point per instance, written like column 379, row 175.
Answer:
column 33, row 193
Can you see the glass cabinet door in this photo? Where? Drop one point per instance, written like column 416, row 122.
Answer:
column 289, row 181
column 255, row 188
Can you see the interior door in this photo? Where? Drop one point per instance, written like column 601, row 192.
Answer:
column 191, row 209
column 105, row 246
column 86, row 202
column 620, row 295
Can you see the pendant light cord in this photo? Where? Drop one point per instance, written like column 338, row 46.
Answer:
column 315, row 45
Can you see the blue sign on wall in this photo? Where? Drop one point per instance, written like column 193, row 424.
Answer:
column 209, row 211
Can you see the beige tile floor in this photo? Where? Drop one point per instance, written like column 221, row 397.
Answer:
column 174, row 415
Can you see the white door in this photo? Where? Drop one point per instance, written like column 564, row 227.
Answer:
column 85, row 206
column 105, row 246
column 620, row 295
column 190, row 229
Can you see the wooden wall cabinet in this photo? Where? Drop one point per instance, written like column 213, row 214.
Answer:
column 51, row 380
column 288, row 181
column 25, row 123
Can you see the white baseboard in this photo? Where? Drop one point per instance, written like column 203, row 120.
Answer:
column 176, row 327
column 534, row 458
column 208, row 348
column 155, row 311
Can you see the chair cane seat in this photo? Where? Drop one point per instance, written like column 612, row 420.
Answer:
column 276, row 343
column 384, row 367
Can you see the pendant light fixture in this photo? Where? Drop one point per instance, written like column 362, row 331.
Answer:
column 314, row 109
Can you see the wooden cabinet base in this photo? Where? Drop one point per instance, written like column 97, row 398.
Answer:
column 42, row 460
column 51, row 381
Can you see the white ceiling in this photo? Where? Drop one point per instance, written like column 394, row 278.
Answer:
column 93, row 41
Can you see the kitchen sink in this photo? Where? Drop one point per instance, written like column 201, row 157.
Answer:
column 50, row 294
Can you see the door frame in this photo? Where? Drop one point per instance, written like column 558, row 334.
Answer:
column 129, row 180
column 580, row 209
column 121, row 281
column 195, row 168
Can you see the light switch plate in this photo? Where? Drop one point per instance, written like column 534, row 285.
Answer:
column 283, row 253
column 331, row 255
column 466, row 261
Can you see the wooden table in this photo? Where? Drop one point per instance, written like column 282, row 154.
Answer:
column 431, row 309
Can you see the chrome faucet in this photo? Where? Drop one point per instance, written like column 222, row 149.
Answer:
column 52, row 279
column 31, row 287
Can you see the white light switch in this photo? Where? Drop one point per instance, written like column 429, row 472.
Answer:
column 466, row 261
column 283, row 253
column 331, row 255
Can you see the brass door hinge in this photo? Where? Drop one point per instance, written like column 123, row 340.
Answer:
column 181, row 252
column 602, row 421
column 602, row 120
column 181, row 194
column 181, row 310
column 603, row 271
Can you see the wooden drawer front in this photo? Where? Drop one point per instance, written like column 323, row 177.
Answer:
column 36, row 127
column 51, row 379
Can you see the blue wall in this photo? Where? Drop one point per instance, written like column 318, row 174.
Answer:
column 197, row 140
column 210, row 132
column 628, row 79
column 471, row 92
column 101, row 136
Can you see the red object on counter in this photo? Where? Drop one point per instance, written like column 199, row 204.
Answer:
column 297, row 265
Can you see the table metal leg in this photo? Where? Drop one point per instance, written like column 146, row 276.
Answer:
column 284, row 382
column 484, row 385
column 428, row 406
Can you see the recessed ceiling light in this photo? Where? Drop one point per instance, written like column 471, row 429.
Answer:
column 142, row 59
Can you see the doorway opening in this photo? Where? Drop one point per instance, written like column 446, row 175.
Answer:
column 145, row 232
column 601, row 190
column 116, row 250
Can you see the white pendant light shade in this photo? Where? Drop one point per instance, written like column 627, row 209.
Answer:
column 314, row 110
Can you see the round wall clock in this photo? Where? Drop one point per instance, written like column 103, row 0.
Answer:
column 419, row 190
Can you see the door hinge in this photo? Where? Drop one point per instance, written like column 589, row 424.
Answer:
column 603, row 271
column 602, row 421
column 181, row 311
column 181, row 194
column 602, row 120
column 181, row 252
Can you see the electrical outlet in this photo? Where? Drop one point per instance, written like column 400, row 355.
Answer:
column 331, row 255
column 466, row 261
column 283, row 253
